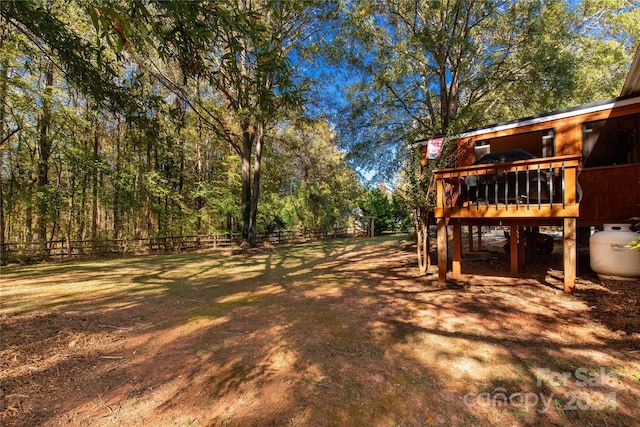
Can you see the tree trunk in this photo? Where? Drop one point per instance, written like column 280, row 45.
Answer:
column 245, row 157
column 199, row 200
column 149, row 202
column 180, row 212
column 116, row 184
column 44, row 152
column 3, row 93
column 422, row 228
column 159, row 203
column 83, row 205
column 72, row 186
column 94, row 194
column 257, row 164
column 427, row 245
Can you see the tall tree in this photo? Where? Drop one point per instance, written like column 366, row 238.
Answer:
column 434, row 68
column 437, row 68
column 244, row 49
column 307, row 181
column 422, row 63
column 4, row 65
column 43, row 149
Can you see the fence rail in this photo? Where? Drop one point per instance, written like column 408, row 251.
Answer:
column 61, row 249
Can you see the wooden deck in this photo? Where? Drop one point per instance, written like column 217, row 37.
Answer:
column 536, row 188
column 520, row 194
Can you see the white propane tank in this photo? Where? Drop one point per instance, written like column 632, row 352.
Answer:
column 610, row 257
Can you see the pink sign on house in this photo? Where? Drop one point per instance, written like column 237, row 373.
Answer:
column 434, row 148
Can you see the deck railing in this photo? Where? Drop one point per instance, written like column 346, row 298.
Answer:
column 525, row 188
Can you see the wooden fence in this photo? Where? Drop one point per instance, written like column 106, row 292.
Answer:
column 60, row 249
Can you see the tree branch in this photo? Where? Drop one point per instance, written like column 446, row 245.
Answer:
column 6, row 138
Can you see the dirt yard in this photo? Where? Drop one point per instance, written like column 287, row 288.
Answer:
column 328, row 334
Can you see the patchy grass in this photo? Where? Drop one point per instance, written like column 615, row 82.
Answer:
column 334, row 333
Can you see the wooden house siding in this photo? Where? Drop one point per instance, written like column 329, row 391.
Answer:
column 610, row 194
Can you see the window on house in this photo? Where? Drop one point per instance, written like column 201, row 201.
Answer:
column 540, row 143
column 548, row 143
column 611, row 142
column 481, row 148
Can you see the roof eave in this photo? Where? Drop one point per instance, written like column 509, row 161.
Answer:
column 632, row 82
column 551, row 116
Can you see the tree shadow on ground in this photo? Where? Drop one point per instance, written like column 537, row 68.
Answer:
column 340, row 334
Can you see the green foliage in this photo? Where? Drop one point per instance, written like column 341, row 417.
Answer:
column 154, row 107
column 635, row 243
column 401, row 216
column 377, row 203
column 174, row 86
column 421, row 65
column 82, row 62
column 307, row 183
column 421, row 69
column 170, row 170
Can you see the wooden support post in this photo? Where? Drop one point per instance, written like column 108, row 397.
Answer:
column 457, row 250
column 521, row 247
column 470, row 238
column 513, row 249
column 479, row 237
column 530, row 242
column 442, row 250
column 569, row 254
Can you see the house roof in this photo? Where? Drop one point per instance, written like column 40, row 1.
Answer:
column 632, row 83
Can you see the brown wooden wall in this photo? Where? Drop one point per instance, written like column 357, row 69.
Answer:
column 610, row 194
